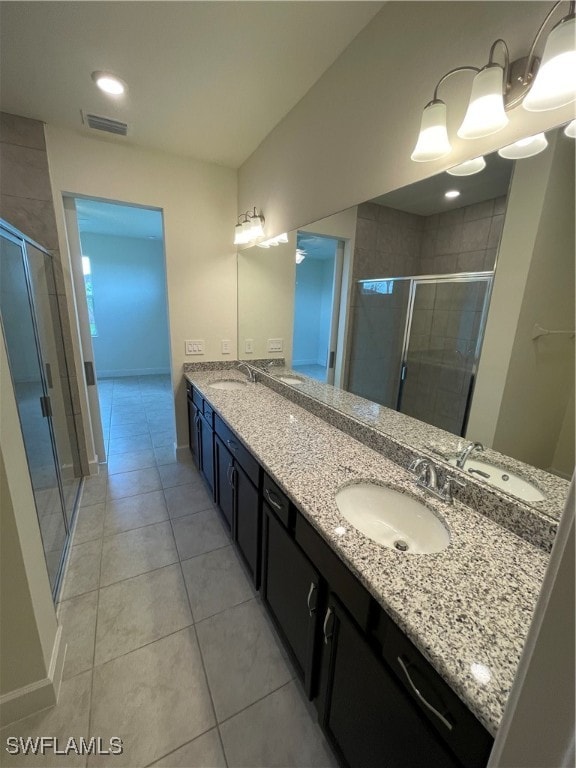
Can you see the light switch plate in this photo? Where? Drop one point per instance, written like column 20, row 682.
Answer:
column 275, row 345
column 249, row 346
column 226, row 346
column 195, row 347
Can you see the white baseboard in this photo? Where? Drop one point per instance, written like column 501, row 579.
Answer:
column 94, row 466
column 43, row 693
column 118, row 373
column 182, row 451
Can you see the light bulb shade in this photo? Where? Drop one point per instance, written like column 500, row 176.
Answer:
column 485, row 114
column 570, row 130
column 246, row 231
column 555, row 82
column 528, row 147
column 468, row 168
column 238, row 234
column 283, row 238
column 433, row 138
column 256, row 228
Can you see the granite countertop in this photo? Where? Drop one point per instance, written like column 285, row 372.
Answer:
column 467, row 608
column 431, row 440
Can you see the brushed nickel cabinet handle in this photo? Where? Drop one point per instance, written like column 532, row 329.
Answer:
column 272, row 498
column 311, row 610
column 325, row 626
column 427, row 704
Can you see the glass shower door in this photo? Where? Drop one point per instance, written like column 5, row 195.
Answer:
column 378, row 327
column 447, row 322
column 56, row 373
column 25, row 332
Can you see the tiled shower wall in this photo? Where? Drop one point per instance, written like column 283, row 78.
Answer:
column 26, row 203
column 391, row 243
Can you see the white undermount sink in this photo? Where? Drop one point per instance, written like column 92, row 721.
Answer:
column 502, row 479
column 392, row 518
column 228, row 384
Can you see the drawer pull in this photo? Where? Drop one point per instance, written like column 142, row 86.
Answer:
column 422, row 699
column 311, row 609
column 232, row 445
column 273, row 499
column 325, row 626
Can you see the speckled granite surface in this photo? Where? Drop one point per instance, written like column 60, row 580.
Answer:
column 467, row 608
column 402, row 438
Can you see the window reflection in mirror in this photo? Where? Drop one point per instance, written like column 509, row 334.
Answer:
column 439, row 301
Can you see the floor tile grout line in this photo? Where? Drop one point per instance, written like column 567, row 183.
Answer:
column 203, row 663
column 257, row 701
column 91, row 699
column 150, row 765
column 144, row 645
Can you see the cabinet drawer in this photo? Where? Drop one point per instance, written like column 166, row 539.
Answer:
column 278, row 502
column 238, row 450
column 351, row 593
column 458, row 727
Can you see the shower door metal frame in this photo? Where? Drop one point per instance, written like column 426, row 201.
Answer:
column 20, row 239
column 453, row 277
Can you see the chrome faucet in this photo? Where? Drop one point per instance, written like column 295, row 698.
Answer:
column 465, row 453
column 427, row 478
column 249, row 372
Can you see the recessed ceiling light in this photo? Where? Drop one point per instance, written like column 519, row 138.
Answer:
column 468, row 167
column 109, row 83
column 451, row 194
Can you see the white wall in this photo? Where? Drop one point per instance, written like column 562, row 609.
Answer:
column 266, row 280
column 350, row 138
column 534, row 284
column 312, row 311
column 130, row 311
column 198, row 201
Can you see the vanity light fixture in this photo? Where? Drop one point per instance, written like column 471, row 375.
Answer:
column 528, row 147
column 451, row 194
column 570, row 130
column 274, row 241
column 250, row 227
column 109, row 83
column 497, row 88
column 468, row 168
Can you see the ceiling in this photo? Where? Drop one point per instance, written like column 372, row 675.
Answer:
column 100, row 218
column 205, row 79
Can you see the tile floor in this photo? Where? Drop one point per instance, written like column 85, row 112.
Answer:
column 169, row 647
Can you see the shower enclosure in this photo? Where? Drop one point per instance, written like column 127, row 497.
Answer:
column 415, row 344
column 32, row 331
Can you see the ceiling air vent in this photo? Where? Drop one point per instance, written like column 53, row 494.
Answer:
column 100, row 123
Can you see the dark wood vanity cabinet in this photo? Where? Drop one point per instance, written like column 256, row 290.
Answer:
column 368, row 717
column 237, row 481
column 379, row 701
column 201, row 434
column 291, row 591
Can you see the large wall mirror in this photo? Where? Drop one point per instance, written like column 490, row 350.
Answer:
column 456, row 309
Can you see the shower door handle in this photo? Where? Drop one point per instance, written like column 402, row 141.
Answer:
column 403, row 372
column 331, row 362
column 45, row 406
column 89, row 372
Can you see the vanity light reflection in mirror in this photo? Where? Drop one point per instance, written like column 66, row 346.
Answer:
column 439, row 301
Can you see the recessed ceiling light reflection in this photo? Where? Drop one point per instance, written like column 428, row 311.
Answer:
column 451, row 194
column 468, row 168
column 340, row 530
column 570, row 130
column 108, row 83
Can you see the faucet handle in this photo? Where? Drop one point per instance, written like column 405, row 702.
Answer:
column 448, row 486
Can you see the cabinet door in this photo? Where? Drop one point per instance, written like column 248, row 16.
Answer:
column 223, row 480
column 290, row 587
column 370, row 720
column 247, row 527
column 194, row 431
column 207, row 452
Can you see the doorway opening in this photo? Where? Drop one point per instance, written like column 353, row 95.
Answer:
column 124, row 281
column 319, row 261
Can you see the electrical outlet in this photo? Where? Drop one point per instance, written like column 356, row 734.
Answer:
column 226, row 346
column 275, row 345
column 249, row 346
column 194, row 346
